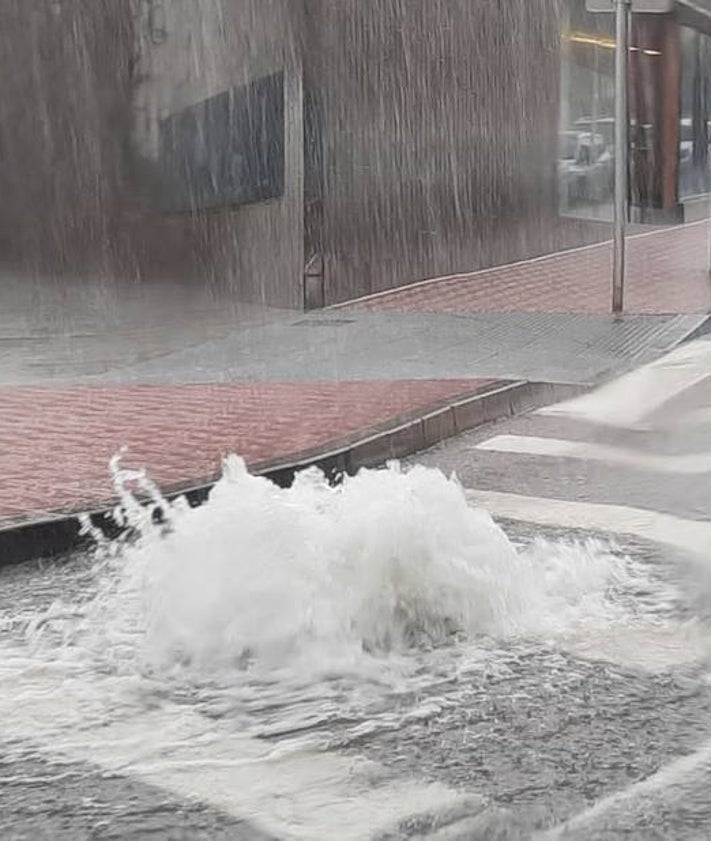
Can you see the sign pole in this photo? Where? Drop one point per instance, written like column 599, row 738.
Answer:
column 621, row 151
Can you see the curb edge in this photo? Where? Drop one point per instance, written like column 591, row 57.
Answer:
column 60, row 533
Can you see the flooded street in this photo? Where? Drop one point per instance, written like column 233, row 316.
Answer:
column 355, row 420
column 373, row 659
column 527, row 730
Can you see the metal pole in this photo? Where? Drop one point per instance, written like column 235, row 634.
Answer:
column 621, row 147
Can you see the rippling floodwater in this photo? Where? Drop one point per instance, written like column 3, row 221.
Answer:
column 382, row 618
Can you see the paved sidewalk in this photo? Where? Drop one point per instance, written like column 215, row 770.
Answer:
column 667, row 272
column 67, row 329
column 272, row 385
column 364, row 345
column 56, row 443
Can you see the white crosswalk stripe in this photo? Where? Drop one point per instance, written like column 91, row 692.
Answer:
column 691, row 464
column 628, row 401
column 292, row 791
column 688, row 535
column 696, row 417
column 661, row 792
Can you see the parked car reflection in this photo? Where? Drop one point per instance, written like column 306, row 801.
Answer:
column 585, row 167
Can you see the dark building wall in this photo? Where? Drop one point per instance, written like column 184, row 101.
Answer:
column 440, row 123
column 436, row 124
column 255, row 248
column 65, row 119
column 84, row 87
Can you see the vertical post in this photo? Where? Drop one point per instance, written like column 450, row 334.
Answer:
column 621, row 151
column 595, row 97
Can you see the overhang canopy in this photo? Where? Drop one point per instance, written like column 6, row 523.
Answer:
column 695, row 13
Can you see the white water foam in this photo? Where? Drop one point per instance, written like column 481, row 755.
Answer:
column 319, row 579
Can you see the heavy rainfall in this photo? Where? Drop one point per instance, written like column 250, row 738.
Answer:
column 355, row 420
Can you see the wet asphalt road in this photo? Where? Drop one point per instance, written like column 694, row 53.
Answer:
column 540, row 733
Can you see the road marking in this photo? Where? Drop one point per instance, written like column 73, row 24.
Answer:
column 688, row 535
column 690, row 464
column 696, row 417
column 294, row 792
column 628, row 400
column 666, row 788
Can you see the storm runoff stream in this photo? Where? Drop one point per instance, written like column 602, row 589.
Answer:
column 349, row 618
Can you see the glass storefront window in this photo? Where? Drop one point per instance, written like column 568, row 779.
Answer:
column 694, row 130
column 587, row 127
column 669, row 115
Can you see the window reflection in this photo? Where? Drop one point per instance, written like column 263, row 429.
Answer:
column 695, row 116
column 654, row 80
column 669, row 116
column 586, row 140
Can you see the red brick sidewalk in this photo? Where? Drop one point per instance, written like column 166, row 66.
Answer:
column 55, row 443
column 667, row 272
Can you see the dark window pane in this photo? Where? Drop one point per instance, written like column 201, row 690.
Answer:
column 224, row 151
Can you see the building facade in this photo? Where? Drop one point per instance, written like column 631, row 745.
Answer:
column 669, row 73
column 305, row 152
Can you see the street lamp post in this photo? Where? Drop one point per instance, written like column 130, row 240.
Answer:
column 622, row 12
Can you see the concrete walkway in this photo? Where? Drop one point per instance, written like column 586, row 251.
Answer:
column 184, row 376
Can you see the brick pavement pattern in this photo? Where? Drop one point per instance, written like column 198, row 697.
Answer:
column 55, row 443
column 667, row 272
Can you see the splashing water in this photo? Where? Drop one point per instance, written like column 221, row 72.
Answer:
column 320, row 578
